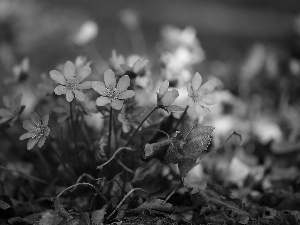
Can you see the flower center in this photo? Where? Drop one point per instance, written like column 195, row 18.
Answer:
column 72, row 84
column 113, row 94
column 38, row 132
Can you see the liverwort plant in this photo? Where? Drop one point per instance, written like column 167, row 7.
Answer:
column 201, row 96
column 37, row 129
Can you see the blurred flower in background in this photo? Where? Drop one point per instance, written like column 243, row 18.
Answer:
column 87, row 32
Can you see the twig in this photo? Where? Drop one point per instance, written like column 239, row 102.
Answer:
column 74, row 133
column 190, row 131
column 125, row 167
column 81, row 177
column 120, row 204
column 114, row 155
column 74, row 185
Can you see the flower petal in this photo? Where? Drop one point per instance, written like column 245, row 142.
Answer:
column 208, row 87
column 85, row 85
column 163, row 87
column 69, row 96
column 83, row 72
column 117, row 105
column 46, row 131
column 209, row 99
column 6, row 101
column 60, row 90
column 110, row 79
column 99, row 87
column 5, row 113
column 79, row 95
column 169, row 97
column 102, row 101
column 123, row 83
column 35, row 118
column 69, row 70
column 26, row 135
column 57, row 76
column 41, row 142
column 45, row 120
column 4, row 120
column 196, row 81
column 190, row 90
column 202, row 111
column 31, row 143
column 126, row 94
column 174, row 108
column 28, row 125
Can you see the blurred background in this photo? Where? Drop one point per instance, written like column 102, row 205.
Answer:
column 252, row 47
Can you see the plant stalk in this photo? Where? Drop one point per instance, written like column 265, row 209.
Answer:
column 136, row 130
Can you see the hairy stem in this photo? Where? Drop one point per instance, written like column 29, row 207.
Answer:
column 109, row 131
column 74, row 133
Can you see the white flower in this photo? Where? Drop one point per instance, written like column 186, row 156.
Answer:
column 201, row 96
column 111, row 92
column 71, row 81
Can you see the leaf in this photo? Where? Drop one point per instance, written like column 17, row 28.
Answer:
column 50, row 218
column 6, row 211
column 186, row 151
column 155, row 148
column 185, row 165
column 98, row 215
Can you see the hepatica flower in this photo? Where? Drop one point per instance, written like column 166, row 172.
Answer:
column 71, row 81
column 166, row 97
column 12, row 109
column 37, row 129
column 112, row 93
column 201, row 96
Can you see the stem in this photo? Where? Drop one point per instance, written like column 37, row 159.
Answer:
column 61, row 160
column 173, row 192
column 180, row 120
column 72, row 186
column 120, row 204
column 74, row 133
column 109, row 131
column 136, row 130
column 114, row 155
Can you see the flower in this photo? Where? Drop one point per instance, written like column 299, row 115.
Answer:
column 113, row 93
column 130, row 116
column 201, row 96
column 13, row 109
column 166, row 97
column 37, row 129
column 71, row 81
